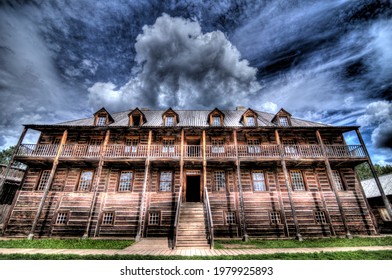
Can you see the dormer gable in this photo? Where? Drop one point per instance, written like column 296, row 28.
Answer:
column 102, row 117
column 249, row 118
column 136, row 117
column 282, row 118
column 216, row 117
column 170, row 118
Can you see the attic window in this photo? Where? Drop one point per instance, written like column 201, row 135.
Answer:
column 101, row 120
column 169, row 121
column 284, row 121
column 216, row 120
column 136, row 120
column 250, row 121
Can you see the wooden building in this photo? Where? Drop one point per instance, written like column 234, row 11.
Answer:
column 191, row 176
column 373, row 195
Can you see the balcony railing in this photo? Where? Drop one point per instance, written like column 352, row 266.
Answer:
column 40, row 150
column 345, row 151
column 191, row 151
column 258, row 151
column 15, row 174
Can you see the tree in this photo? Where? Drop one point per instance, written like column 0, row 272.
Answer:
column 6, row 155
column 364, row 171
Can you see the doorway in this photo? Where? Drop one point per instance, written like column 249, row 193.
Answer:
column 193, row 188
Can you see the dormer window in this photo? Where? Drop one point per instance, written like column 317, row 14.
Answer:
column 216, row 120
column 136, row 117
column 284, row 121
column 169, row 121
column 250, row 121
column 101, row 120
column 136, row 120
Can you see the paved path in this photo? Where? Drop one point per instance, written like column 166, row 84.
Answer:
column 159, row 246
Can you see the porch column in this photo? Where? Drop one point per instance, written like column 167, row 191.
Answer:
column 96, row 184
column 245, row 235
column 143, row 202
column 333, row 185
column 7, row 170
column 204, row 162
column 182, row 162
column 48, row 184
column 378, row 183
column 288, row 186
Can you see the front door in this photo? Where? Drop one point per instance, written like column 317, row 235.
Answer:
column 193, row 188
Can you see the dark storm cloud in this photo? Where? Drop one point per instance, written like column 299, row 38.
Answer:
column 182, row 67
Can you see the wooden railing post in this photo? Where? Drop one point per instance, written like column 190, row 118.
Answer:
column 333, row 185
column 11, row 162
column 96, row 184
column 288, row 186
column 374, row 173
column 143, row 206
column 245, row 235
column 47, row 185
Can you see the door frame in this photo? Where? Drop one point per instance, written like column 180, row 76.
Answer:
column 186, row 186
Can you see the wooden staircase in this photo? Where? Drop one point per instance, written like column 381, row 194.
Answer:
column 192, row 231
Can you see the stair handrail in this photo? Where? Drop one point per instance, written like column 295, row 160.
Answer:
column 209, row 218
column 177, row 218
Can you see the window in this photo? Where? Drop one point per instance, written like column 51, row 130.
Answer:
column 219, row 180
column 250, row 121
column 231, row 218
column 284, row 121
column 108, row 218
column 86, row 179
column 338, row 180
column 319, row 217
column 131, row 145
column 217, row 146
column 275, row 218
column 216, row 121
column 125, row 182
column 254, row 146
column 258, row 181
column 136, row 120
column 62, row 218
column 384, row 214
column 169, row 121
column 289, row 147
column 153, row 218
column 101, row 121
column 94, row 146
column 44, row 179
column 165, row 181
column 297, row 180
column 168, row 146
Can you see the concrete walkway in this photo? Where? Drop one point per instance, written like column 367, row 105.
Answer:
column 159, row 246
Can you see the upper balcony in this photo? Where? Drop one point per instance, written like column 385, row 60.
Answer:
column 193, row 152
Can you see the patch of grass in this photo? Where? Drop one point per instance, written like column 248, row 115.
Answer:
column 307, row 243
column 66, row 244
column 356, row 255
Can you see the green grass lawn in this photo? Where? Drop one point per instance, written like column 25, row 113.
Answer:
column 66, row 244
column 357, row 255
column 312, row 243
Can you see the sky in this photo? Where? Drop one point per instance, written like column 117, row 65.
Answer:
column 324, row 61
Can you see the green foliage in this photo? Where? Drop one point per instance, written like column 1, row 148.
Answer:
column 354, row 255
column 307, row 243
column 364, row 172
column 66, row 244
column 6, row 155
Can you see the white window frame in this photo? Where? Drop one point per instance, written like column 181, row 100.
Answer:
column 166, row 181
column 154, row 218
column 337, row 180
column 85, row 184
column 297, row 180
column 108, row 218
column 275, row 218
column 231, row 218
column 62, row 218
column 219, row 180
column 43, row 180
column 258, row 181
column 125, row 182
column 169, row 121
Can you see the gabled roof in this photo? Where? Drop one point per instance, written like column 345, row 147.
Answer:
column 216, row 110
column 249, row 111
column 192, row 118
column 138, row 111
column 103, row 110
column 170, row 110
column 371, row 189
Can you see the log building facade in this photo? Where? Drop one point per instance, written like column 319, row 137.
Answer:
column 129, row 174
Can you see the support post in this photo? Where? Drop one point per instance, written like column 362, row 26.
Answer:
column 333, row 185
column 96, row 184
column 204, row 162
column 288, row 186
column 47, row 185
column 143, row 207
column 374, row 173
column 245, row 236
column 7, row 170
column 182, row 162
